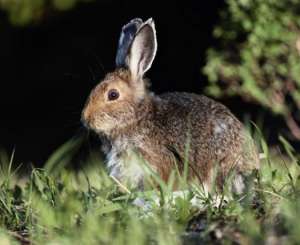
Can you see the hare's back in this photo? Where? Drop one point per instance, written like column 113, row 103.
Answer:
column 213, row 130
column 196, row 107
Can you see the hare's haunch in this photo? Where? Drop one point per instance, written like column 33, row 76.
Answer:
column 163, row 130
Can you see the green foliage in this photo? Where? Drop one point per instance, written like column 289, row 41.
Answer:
column 87, row 207
column 258, row 56
column 22, row 12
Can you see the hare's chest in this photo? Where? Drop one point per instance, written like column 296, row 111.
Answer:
column 126, row 165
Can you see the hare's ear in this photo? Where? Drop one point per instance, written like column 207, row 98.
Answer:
column 126, row 37
column 142, row 50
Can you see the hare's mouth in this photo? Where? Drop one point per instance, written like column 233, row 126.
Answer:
column 100, row 123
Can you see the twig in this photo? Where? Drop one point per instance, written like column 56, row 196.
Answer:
column 120, row 184
column 271, row 193
column 21, row 238
column 293, row 126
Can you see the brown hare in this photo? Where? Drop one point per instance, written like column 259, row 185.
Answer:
column 165, row 129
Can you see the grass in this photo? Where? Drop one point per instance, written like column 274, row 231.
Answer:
column 57, row 205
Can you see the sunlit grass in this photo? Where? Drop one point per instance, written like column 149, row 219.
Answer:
column 57, row 205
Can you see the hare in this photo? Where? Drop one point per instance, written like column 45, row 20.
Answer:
column 137, row 125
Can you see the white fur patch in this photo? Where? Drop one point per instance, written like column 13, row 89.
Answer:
column 239, row 184
column 220, row 127
column 126, row 165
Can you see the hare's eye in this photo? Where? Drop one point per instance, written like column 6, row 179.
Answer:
column 113, row 94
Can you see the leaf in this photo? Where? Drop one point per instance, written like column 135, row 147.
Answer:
column 288, row 148
column 61, row 157
column 109, row 209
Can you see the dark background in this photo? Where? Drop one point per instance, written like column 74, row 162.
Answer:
column 48, row 69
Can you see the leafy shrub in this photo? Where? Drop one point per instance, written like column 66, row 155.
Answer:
column 257, row 57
